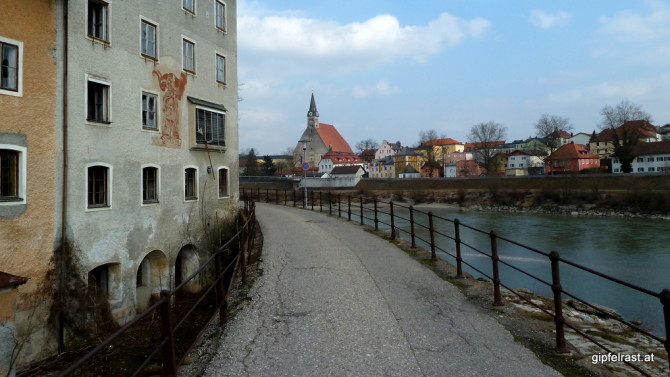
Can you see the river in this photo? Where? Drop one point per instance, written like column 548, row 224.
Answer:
column 632, row 249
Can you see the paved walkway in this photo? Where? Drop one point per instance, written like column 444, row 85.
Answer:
column 335, row 300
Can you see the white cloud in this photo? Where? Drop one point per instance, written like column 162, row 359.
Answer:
column 382, row 87
column 546, row 20
column 636, row 27
column 373, row 41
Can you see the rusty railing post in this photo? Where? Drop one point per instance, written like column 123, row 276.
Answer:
column 376, row 219
column 558, row 303
column 284, row 197
column 330, row 203
column 665, row 300
column 294, row 198
column 169, row 359
column 313, row 197
column 360, row 199
column 349, row 207
column 320, row 202
column 303, row 199
column 457, row 240
column 411, row 226
column 497, row 298
column 392, row 220
column 431, row 229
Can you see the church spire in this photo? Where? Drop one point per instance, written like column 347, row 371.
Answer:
column 312, row 112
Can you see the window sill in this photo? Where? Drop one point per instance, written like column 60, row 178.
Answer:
column 149, row 58
column 223, row 31
column 224, row 197
column 11, row 199
column 202, row 147
column 191, row 199
column 192, row 73
column 103, row 42
column 149, row 203
column 152, row 130
column 100, row 207
column 223, row 84
column 94, row 122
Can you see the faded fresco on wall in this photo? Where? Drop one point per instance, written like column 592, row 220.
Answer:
column 172, row 88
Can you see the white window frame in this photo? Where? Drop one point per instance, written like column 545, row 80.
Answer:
column 110, row 180
column 23, row 173
column 19, row 87
column 108, row 100
column 196, row 125
column 185, row 40
column 158, row 184
column 193, row 3
column 157, row 117
column 220, row 17
column 107, row 22
column 220, row 57
column 197, row 184
column 218, row 178
column 143, row 21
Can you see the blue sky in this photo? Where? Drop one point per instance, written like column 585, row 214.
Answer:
column 387, row 69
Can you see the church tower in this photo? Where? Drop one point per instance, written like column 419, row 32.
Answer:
column 312, row 114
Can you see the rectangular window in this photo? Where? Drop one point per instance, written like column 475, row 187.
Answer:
column 188, row 5
column 150, row 185
column 223, row 182
column 659, row 158
column 651, row 169
column 98, row 101
column 98, row 12
column 190, row 184
column 650, row 159
column 148, row 47
column 220, row 69
column 98, row 186
column 98, row 281
column 149, row 111
column 9, row 175
column 640, row 169
column 9, row 66
column 220, row 15
column 640, row 159
column 188, row 56
column 209, row 127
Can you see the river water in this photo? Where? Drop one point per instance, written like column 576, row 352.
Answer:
column 631, row 249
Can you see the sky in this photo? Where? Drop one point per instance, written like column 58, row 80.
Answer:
column 387, row 69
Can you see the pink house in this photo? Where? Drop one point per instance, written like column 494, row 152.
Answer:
column 571, row 158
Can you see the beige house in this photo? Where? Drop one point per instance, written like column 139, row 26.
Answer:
column 132, row 133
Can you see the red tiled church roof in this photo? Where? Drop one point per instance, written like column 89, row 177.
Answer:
column 332, row 138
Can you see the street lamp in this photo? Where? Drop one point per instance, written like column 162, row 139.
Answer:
column 305, row 166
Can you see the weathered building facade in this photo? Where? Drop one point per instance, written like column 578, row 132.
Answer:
column 132, row 161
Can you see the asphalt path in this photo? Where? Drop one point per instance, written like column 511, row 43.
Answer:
column 335, row 300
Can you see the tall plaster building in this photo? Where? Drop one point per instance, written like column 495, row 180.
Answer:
column 323, row 138
column 118, row 147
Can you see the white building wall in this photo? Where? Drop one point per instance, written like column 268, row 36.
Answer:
column 126, row 232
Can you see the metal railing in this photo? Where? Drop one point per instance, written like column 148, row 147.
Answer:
column 226, row 261
column 371, row 211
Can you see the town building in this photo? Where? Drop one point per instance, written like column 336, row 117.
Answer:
column 520, row 163
column 128, row 160
column 387, row 149
column 407, row 157
column 602, row 144
column 384, row 168
column 651, row 158
column 331, row 160
column 571, row 158
column 319, row 139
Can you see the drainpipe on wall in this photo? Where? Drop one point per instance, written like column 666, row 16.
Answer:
column 63, row 236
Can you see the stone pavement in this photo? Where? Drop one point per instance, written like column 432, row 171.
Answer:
column 335, row 300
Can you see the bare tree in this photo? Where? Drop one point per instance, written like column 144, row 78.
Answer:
column 426, row 135
column 548, row 128
column 366, row 144
column 486, row 136
column 624, row 136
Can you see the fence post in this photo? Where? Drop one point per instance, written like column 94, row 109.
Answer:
column 558, row 303
column 267, row 195
column 665, row 300
column 392, row 221
column 243, row 193
column 457, row 240
column 411, row 226
column 169, row 360
column 361, row 202
column 330, row 203
column 349, row 207
column 320, row 202
column 376, row 219
column 303, row 199
column 312, row 200
column 431, row 229
column 284, row 197
column 339, row 206
column 497, row 298
column 294, row 198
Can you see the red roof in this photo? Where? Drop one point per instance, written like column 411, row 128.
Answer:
column 332, row 138
column 474, row 146
column 644, row 130
column 571, row 152
column 446, row 141
column 645, row 149
column 342, row 158
column 345, row 170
